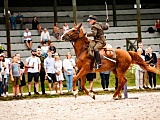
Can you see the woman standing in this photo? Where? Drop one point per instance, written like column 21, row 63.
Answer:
column 68, row 66
column 59, row 74
column 151, row 59
column 23, row 82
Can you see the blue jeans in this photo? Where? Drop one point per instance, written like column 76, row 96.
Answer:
column 104, row 80
column 13, row 25
column 69, row 79
column 5, row 83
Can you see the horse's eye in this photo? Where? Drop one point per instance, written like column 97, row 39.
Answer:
column 73, row 30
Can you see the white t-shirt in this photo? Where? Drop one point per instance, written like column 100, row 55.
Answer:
column 67, row 63
column 27, row 34
column 44, row 49
column 45, row 35
column 33, row 61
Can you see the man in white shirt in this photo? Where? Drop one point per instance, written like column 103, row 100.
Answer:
column 27, row 38
column 49, row 67
column 33, row 64
column 45, row 36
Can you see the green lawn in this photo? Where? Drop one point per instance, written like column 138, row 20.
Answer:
column 97, row 82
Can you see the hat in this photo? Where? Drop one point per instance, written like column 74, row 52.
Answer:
column 33, row 50
column 92, row 17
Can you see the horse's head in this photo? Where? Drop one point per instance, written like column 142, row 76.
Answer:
column 74, row 34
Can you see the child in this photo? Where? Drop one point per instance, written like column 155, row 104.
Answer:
column 15, row 76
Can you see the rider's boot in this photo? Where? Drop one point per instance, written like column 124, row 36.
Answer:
column 98, row 60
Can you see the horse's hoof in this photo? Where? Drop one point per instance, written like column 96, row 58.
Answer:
column 75, row 96
column 94, row 97
column 119, row 97
column 75, row 93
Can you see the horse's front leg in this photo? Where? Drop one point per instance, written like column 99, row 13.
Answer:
column 75, row 78
column 83, row 81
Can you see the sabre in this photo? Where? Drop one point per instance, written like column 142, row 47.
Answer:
column 106, row 11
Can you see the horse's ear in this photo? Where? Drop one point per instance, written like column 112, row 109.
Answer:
column 79, row 26
column 75, row 24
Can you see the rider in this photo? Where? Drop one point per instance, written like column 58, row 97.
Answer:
column 99, row 38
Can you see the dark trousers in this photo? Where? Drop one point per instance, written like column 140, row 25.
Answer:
column 151, row 76
column 42, row 79
column 104, row 80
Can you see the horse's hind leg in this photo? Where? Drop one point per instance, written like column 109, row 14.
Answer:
column 121, row 81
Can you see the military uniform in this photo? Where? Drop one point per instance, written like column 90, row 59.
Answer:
column 99, row 38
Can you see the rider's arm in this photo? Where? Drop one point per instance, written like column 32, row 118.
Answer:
column 105, row 27
column 93, row 32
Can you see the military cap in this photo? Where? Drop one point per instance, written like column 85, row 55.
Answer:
column 92, row 17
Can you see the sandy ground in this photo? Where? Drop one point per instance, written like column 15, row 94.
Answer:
column 146, row 107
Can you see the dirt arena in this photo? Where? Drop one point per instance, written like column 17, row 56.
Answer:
column 146, row 107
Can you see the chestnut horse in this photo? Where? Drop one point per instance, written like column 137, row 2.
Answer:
column 85, row 64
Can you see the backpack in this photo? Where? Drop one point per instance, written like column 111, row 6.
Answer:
column 151, row 30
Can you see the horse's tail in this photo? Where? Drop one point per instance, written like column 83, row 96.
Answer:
column 136, row 59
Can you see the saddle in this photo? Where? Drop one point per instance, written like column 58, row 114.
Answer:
column 107, row 51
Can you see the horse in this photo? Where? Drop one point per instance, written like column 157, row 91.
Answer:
column 85, row 64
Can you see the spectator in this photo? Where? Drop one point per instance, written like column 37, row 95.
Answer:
column 59, row 74
column 151, row 59
column 27, row 38
column 42, row 71
column 23, row 81
column 52, row 48
column 140, row 45
column 90, row 77
column 146, row 74
column 68, row 66
column 5, row 74
column 45, row 36
column 13, row 21
column 56, row 31
column 33, row 64
column 19, row 18
column 65, row 28
column 157, row 25
column 105, row 80
column 139, row 71
column 2, row 68
column 44, row 49
column 49, row 66
column 15, row 76
column 34, row 23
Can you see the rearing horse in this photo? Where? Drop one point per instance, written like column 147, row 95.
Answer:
column 85, row 64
